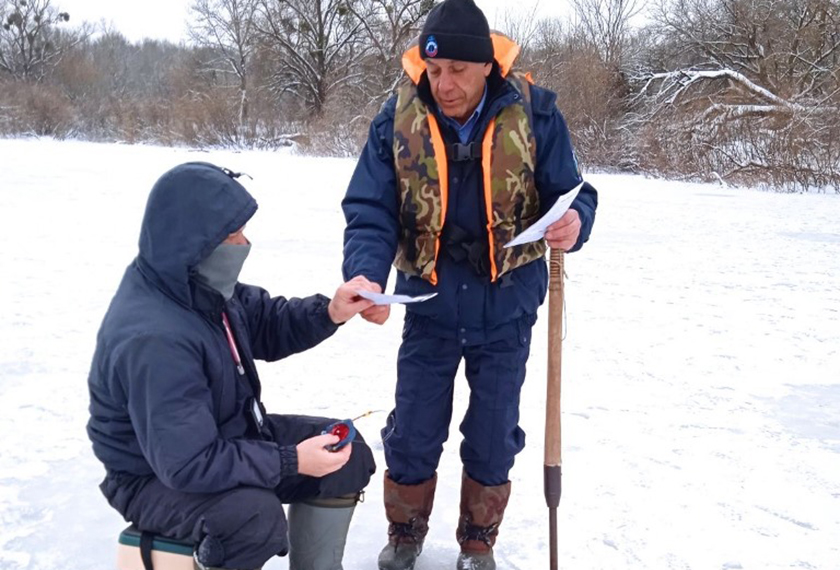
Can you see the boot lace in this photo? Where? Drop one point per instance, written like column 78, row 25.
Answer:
column 483, row 534
column 404, row 532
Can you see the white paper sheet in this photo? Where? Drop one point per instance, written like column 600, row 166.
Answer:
column 537, row 230
column 382, row 299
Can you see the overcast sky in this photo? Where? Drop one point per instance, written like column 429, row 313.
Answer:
column 165, row 19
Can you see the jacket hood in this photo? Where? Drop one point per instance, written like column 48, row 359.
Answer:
column 191, row 210
column 505, row 52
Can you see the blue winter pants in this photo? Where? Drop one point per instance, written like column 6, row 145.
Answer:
column 419, row 424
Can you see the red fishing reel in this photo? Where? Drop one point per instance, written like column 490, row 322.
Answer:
column 344, row 429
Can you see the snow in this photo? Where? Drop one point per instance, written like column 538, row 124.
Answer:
column 701, row 388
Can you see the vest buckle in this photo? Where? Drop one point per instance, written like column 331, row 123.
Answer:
column 463, row 152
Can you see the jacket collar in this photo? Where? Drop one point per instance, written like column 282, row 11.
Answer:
column 207, row 301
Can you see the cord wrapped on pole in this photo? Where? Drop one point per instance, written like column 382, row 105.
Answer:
column 553, row 443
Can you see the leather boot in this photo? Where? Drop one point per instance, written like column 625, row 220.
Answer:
column 407, row 508
column 318, row 532
column 482, row 509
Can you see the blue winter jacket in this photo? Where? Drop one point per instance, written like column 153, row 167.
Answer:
column 166, row 398
column 468, row 306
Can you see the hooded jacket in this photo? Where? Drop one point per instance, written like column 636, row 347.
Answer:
column 166, row 398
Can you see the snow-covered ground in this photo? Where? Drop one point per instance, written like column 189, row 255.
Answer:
column 701, row 389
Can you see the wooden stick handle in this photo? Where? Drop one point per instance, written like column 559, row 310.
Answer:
column 553, row 443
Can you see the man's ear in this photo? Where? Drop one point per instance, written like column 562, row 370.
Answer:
column 488, row 67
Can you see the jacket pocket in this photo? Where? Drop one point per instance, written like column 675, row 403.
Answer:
column 531, row 285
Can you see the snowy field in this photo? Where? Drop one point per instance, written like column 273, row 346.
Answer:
column 701, row 395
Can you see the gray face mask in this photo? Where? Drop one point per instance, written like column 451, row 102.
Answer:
column 220, row 270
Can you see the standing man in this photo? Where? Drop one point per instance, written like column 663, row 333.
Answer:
column 175, row 410
column 465, row 156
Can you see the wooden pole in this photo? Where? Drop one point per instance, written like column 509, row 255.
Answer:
column 553, row 450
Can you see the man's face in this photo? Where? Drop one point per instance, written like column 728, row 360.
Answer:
column 457, row 86
column 237, row 237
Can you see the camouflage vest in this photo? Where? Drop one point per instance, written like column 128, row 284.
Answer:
column 508, row 158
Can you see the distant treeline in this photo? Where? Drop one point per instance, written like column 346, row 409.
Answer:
column 738, row 91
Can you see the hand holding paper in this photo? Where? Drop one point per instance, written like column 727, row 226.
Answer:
column 564, row 233
column 346, row 303
column 537, row 231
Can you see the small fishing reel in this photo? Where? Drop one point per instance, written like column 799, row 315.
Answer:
column 344, row 429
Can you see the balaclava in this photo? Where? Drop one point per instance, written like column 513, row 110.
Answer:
column 220, row 270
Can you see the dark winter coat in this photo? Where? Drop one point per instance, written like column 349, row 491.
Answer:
column 468, row 306
column 165, row 395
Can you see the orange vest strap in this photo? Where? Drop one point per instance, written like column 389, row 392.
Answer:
column 443, row 180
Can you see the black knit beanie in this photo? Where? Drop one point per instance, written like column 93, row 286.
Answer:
column 456, row 29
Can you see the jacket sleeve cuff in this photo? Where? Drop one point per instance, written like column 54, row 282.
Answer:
column 288, row 461
column 322, row 312
column 380, row 277
column 583, row 237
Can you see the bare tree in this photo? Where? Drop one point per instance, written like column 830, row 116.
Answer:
column 789, row 47
column 29, row 43
column 591, row 95
column 745, row 76
column 315, row 44
column 389, row 26
column 548, row 49
column 523, row 27
column 605, row 24
column 228, row 29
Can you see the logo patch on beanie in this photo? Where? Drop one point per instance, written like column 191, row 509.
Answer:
column 431, row 47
